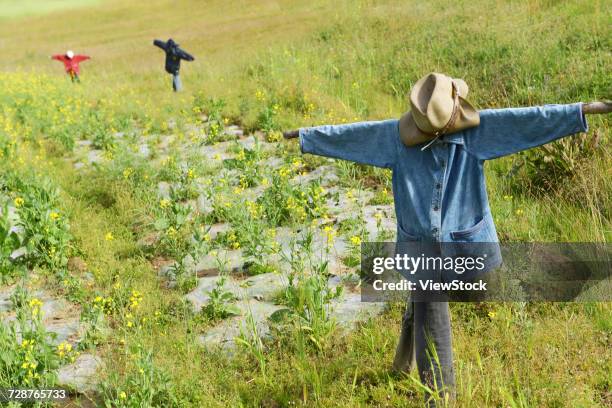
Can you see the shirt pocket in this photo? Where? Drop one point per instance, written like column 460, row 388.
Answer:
column 405, row 236
column 477, row 232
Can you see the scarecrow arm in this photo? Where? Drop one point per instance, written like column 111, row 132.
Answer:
column 291, row 134
column 185, row 55
column 505, row 131
column 159, row 43
column 81, row 58
column 373, row 143
column 597, row 107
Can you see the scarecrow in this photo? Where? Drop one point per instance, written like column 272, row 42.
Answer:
column 436, row 152
column 71, row 63
column 174, row 55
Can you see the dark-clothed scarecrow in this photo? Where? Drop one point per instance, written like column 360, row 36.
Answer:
column 174, row 55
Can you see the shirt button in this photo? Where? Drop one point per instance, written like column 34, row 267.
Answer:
column 436, row 208
column 439, row 186
column 434, row 230
column 443, row 164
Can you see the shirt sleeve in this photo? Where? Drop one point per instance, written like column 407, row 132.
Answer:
column 185, row 55
column 373, row 143
column 505, row 131
column 159, row 43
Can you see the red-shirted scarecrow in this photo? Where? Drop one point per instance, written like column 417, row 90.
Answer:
column 71, row 63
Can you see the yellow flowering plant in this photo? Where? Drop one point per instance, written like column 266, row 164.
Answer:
column 29, row 358
column 45, row 232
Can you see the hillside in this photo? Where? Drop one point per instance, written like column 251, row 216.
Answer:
column 164, row 249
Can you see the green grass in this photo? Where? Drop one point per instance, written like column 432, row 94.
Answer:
column 20, row 8
column 327, row 62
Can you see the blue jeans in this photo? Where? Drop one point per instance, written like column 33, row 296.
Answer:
column 426, row 340
column 176, row 82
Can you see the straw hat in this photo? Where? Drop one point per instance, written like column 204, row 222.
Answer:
column 438, row 107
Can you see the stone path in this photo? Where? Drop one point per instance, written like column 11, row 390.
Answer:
column 60, row 318
column 256, row 295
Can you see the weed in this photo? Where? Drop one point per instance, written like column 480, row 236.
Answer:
column 220, row 305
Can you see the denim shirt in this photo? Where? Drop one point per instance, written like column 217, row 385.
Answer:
column 439, row 192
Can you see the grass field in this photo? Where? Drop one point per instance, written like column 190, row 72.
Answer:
column 12, row 8
column 273, row 65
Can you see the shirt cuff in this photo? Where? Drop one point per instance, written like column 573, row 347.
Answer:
column 302, row 135
column 583, row 124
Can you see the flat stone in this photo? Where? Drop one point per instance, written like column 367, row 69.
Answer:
column 233, row 130
column 66, row 330
column 320, row 248
column 143, row 150
column 247, row 142
column 163, row 189
column 254, row 193
column 18, row 253
column 265, row 286
column 54, row 308
column 368, row 214
column 200, row 296
column 387, row 222
column 223, row 335
column 5, row 298
column 18, row 229
column 81, row 375
column 345, row 201
column 230, row 260
column 95, row 156
column 12, row 214
column 273, row 162
column 59, row 317
column 349, row 309
column 216, row 229
column 259, row 287
column 216, row 151
column 203, row 204
column 325, row 174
